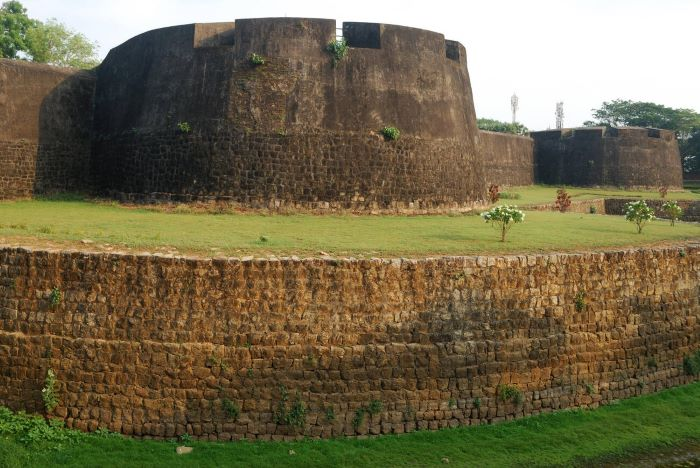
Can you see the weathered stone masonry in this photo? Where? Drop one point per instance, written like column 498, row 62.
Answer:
column 153, row 346
column 45, row 128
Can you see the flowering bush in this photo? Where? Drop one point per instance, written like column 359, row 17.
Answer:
column 503, row 217
column 673, row 211
column 639, row 213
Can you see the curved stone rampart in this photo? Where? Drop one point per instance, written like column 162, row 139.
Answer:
column 158, row 346
column 296, row 129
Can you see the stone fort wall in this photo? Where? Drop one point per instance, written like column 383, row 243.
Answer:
column 296, row 130
column 508, row 159
column 626, row 157
column 45, row 128
column 181, row 114
column 157, row 346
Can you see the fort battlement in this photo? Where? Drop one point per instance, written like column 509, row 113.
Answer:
column 295, row 131
column 630, row 156
column 181, row 113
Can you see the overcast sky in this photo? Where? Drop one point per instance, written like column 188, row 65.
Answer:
column 579, row 52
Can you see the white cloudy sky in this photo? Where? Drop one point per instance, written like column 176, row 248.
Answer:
column 581, row 52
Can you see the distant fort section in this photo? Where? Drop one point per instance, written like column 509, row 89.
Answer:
column 295, row 131
column 625, row 157
column 183, row 114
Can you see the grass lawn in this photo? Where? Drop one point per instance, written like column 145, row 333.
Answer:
column 579, row 437
column 64, row 223
column 539, row 194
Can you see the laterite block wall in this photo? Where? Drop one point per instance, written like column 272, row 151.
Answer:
column 45, row 127
column 156, row 346
column 508, row 159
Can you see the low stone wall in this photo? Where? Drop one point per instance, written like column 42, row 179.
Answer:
column 275, row 348
column 596, row 205
column 508, row 159
column 691, row 208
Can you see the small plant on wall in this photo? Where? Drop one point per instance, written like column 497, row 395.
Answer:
column 184, row 127
column 338, row 50
column 673, row 211
column 503, row 218
column 256, row 60
column 510, row 393
column 49, row 394
column 390, row 133
column 55, row 297
column 639, row 213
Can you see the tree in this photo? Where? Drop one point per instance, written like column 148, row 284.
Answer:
column 493, row 125
column 14, row 23
column 684, row 122
column 51, row 42
column 54, row 43
column 503, row 218
column 673, row 211
column 690, row 152
column 639, row 213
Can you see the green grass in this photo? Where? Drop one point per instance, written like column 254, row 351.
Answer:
column 580, row 437
column 540, row 194
column 361, row 236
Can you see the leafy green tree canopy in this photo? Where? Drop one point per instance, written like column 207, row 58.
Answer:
column 51, row 42
column 620, row 113
column 54, row 43
column 493, row 125
column 14, row 23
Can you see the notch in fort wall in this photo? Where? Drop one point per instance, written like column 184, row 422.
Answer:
column 363, row 35
column 452, row 50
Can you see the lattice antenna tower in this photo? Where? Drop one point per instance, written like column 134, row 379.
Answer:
column 514, row 105
column 560, row 114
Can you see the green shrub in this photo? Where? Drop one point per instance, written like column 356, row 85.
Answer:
column 639, row 213
column 37, row 431
column 358, row 418
column 510, row 392
column 49, row 394
column 330, row 414
column 338, row 50
column 255, row 59
column 375, row 407
column 503, row 217
column 390, row 133
column 184, row 127
column 673, row 211
column 580, row 301
column 592, row 209
column 231, row 408
column 55, row 296
column 295, row 415
column 691, row 364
